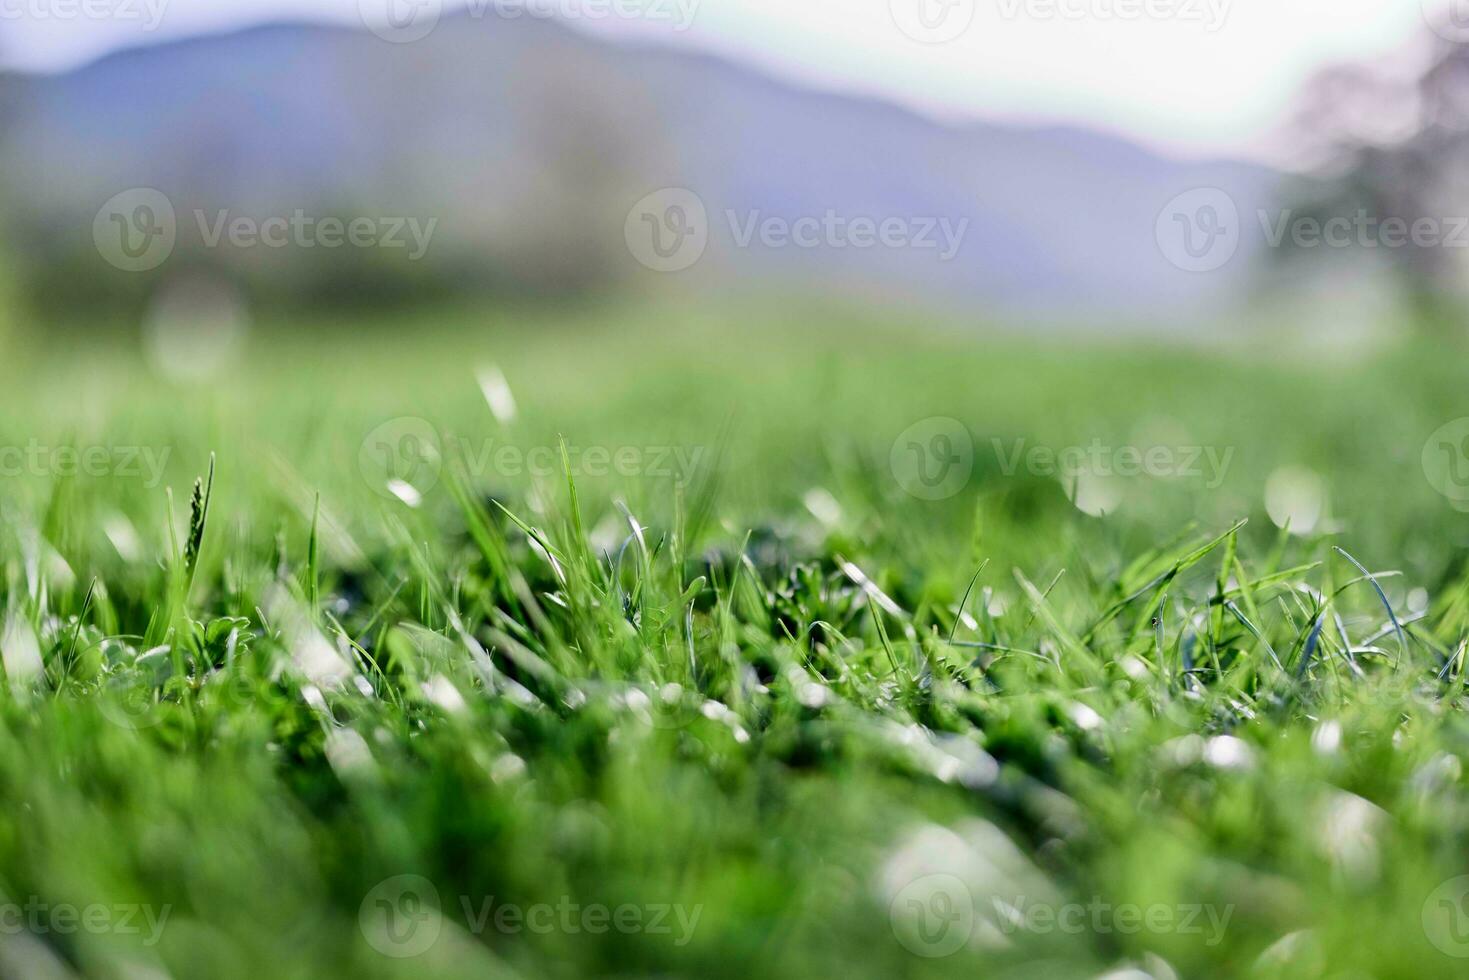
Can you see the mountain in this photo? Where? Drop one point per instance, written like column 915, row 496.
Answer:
column 530, row 143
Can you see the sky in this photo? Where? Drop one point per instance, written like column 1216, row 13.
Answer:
column 1191, row 77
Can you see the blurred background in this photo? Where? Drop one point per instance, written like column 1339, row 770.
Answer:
column 1112, row 164
column 838, row 298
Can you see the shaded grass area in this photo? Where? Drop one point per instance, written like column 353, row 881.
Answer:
column 434, row 690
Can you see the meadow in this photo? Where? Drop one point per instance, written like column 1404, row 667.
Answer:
column 780, row 639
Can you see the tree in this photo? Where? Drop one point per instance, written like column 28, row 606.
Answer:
column 1391, row 141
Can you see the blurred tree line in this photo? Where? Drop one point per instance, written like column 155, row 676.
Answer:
column 1390, row 140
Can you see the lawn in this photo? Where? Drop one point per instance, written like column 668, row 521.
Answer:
column 775, row 640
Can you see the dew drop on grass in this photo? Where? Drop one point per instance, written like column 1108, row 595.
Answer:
column 1326, row 739
column 313, row 654
column 496, row 389
column 19, row 651
column 975, row 859
column 1295, row 497
column 440, row 691
column 507, row 767
column 194, row 327
column 1228, row 752
column 1134, row 668
column 58, row 573
column 1349, row 828
column 1084, row 716
column 1437, row 775
column 1093, row 494
column 347, row 753
column 123, row 538
column 813, row 695
column 405, row 492
column 1297, row 952
column 823, row 506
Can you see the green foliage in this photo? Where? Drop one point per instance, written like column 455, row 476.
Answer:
column 774, row 692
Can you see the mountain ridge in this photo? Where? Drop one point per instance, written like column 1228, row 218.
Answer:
column 532, row 139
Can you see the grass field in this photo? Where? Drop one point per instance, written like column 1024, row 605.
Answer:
column 768, row 642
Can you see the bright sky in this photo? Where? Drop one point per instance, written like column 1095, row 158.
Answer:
column 1191, row 76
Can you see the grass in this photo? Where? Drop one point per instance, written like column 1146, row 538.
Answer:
column 660, row 670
